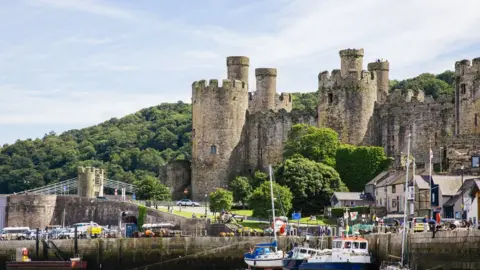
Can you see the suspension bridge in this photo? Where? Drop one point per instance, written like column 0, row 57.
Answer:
column 70, row 187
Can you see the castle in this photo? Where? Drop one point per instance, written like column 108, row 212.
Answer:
column 236, row 131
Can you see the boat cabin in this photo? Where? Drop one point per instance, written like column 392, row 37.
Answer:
column 350, row 243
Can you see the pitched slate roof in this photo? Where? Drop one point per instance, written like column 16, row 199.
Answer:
column 379, row 178
column 350, row 196
column 450, row 184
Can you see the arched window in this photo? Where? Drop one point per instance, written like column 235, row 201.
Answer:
column 213, row 149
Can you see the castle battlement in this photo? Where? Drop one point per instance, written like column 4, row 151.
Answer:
column 466, row 66
column 379, row 65
column 362, row 77
column 201, row 87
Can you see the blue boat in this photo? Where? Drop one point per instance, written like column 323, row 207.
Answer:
column 348, row 253
column 265, row 255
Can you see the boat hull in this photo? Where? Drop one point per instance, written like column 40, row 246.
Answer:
column 292, row 264
column 334, row 265
column 265, row 263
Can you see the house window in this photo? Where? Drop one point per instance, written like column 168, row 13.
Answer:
column 213, row 149
column 463, row 88
column 381, row 201
column 394, row 189
column 330, row 98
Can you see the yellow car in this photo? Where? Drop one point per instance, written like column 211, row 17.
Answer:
column 418, row 224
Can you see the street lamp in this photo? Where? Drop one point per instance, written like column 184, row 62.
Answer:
column 463, row 201
column 206, row 204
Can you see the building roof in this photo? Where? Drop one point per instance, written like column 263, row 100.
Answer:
column 351, row 196
column 468, row 184
column 379, row 178
column 422, row 181
column 449, row 184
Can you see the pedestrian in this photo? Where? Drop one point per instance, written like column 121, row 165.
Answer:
column 433, row 226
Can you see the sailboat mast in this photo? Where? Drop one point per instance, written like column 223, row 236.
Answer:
column 405, row 225
column 273, row 203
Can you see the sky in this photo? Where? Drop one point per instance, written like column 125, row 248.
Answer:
column 68, row 64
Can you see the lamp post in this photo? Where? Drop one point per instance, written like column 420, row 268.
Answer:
column 206, row 205
column 463, row 201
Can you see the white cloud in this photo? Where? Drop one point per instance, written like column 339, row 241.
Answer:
column 89, row 6
column 405, row 32
column 24, row 107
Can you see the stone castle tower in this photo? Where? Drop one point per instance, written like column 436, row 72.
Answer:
column 221, row 125
column 90, row 182
column 348, row 96
column 467, row 96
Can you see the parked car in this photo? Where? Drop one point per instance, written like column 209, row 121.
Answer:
column 14, row 233
column 187, row 202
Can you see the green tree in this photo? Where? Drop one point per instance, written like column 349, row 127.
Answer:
column 311, row 183
column 241, row 189
column 220, row 199
column 150, row 188
column 258, row 178
column 358, row 165
column 429, row 84
column 261, row 204
column 318, row 144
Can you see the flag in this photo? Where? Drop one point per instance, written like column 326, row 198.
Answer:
column 431, row 153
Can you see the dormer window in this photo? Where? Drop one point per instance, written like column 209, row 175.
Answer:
column 213, row 149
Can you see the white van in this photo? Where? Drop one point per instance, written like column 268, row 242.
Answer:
column 14, row 233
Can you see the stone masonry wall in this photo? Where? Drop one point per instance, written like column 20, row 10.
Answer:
column 428, row 121
column 40, row 210
column 177, row 176
column 467, row 96
column 266, row 135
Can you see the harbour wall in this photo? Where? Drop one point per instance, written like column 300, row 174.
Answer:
column 38, row 211
column 448, row 250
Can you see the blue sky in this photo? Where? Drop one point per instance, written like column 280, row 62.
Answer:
column 73, row 63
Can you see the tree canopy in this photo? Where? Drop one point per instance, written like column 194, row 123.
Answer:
column 220, row 199
column 149, row 188
column 261, row 204
column 311, row 183
column 359, row 164
column 318, row 144
column 435, row 85
column 127, row 148
column 241, row 189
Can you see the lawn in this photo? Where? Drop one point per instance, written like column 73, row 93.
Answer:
column 247, row 213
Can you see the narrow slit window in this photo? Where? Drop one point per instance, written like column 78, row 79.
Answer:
column 476, row 119
column 330, row 98
column 463, row 88
column 213, row 149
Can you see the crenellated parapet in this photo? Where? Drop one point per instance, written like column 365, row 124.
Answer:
column 464, row 67
column 353, row 80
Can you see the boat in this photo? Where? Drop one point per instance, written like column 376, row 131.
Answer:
column 348, row 253
column 299, row 254
column 266, row 255
column 403, row 264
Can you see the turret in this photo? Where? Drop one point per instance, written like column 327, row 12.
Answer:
column 266, row 88
column 218, row 119
column 381, row 69
column 237, row 68
column 351, row 59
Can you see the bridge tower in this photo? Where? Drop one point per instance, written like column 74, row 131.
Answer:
column 90, row 182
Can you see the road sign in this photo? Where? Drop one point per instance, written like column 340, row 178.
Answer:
column 296, row 216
